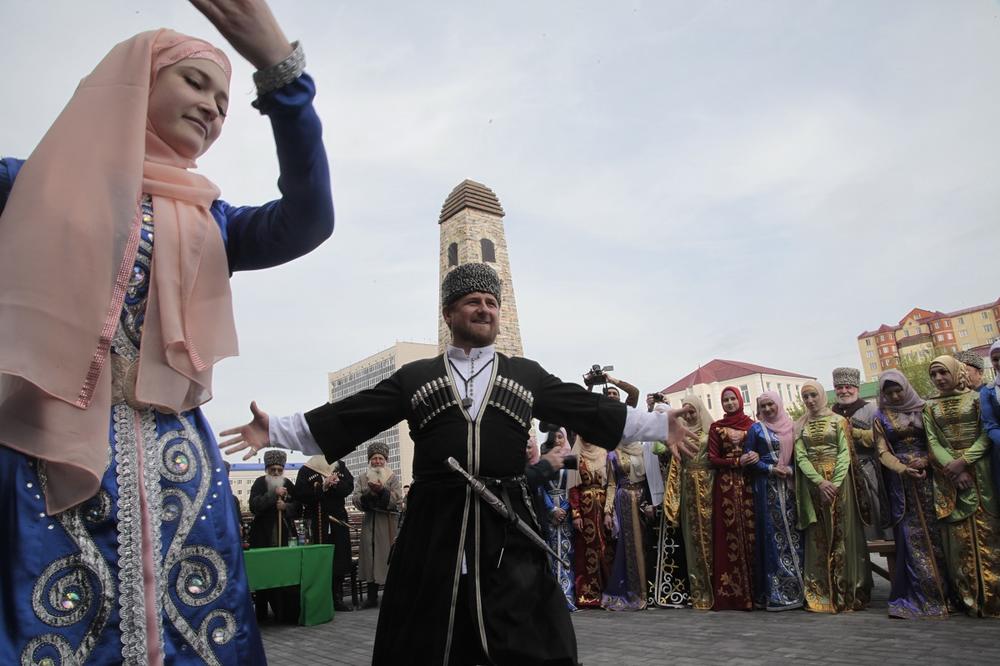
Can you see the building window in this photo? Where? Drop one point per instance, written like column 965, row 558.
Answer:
column 988, row 328
column 868, row 342
column 708, row 399
column 937, row 324
column 951, row 337
column 963, row 333
column 870, row 354
column 986, row 315
column 489, row 253
column 769, row 386
column 453, row 254
column 873, row 366
column 745, row 390
column 881, row 338
column 961, row 320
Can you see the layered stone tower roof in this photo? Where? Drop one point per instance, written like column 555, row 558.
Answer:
column 470, row 194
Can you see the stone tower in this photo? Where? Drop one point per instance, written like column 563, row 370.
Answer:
column 472, row 231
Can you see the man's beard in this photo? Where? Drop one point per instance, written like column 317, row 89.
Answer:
column 274, row 482
column 847, row 400
column 478, row 337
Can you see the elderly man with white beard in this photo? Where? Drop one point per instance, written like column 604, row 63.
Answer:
column 271, row 496
column 272, row 504
column 378, row 495
column 870, row 487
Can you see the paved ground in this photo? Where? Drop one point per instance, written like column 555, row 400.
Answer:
column 663, row 636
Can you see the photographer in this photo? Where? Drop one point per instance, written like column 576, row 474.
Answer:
column 597, row 376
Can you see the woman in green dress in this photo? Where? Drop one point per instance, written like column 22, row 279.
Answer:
column 964, row 496
column 837, row 574
column 687, row 503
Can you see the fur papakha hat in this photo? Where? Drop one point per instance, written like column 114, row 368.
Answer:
column 468, row 278
column 275, row 457
column 378, row 447
column 846, row 376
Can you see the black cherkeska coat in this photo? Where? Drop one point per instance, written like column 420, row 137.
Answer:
column 511, row 602
column 317, row 504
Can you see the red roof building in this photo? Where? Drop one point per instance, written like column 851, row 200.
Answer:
column 751, row 379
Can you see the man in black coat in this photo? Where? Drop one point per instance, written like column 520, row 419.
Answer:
column 322, row 487
column 274, row 510
column 464, row 587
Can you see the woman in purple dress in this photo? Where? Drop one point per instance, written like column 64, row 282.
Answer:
column 918, row 586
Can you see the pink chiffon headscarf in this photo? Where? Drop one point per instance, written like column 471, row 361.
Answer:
column 68, row 238
column 782, row 425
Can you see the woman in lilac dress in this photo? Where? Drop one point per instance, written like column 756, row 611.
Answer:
column 919, row 585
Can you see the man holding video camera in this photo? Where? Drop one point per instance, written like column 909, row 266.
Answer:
column 597, row 376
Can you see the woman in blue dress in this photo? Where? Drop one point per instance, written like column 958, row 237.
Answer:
column 559, row 532
column 989, row 404
column 778, row 558
column 120, row 543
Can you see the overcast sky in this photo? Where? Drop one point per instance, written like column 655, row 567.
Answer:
column 683, row 181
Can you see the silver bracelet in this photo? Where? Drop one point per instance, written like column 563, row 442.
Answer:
column 281, row 74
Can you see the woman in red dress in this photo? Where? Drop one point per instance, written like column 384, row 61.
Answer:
column 732, row 506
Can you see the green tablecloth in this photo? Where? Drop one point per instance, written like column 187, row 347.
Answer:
column 309, row 567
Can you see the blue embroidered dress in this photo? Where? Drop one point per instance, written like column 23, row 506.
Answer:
column 72, row 586
column 777, row 569
column 560, row 537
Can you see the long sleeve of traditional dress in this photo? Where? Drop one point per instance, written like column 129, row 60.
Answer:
column 804, row 464
column 283, row 229
column 286, row 228
column 715, row 451
column 340, row 427
column 609, row 499
column 843, row 457
column 756, row 444
column 885, row 454
column 989, row 415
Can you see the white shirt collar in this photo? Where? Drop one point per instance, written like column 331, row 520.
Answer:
column 458, row 354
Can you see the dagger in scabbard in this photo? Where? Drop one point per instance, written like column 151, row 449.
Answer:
column 495, row 503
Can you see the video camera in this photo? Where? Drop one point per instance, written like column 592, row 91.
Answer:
column 597, row 375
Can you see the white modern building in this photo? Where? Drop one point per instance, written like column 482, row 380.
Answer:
column 708, row 381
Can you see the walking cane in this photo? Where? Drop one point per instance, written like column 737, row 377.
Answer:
column 281, row 519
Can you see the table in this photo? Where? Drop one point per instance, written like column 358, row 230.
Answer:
column 309, row 567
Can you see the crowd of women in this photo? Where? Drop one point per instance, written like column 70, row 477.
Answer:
column 776, row 513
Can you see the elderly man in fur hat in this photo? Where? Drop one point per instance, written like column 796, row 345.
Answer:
column 870, row 487
column 272, row 496
column 272, row 504
column 974, row 366
column 377, row 493
column 464, row 586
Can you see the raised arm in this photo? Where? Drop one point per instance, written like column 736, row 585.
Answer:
column 281, row 230
column 334, row 429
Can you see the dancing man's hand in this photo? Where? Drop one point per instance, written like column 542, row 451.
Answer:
column 254, row 435
column 678, row 434
column 250, row 28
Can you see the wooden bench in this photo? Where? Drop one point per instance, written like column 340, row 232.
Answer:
column 888, row 549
